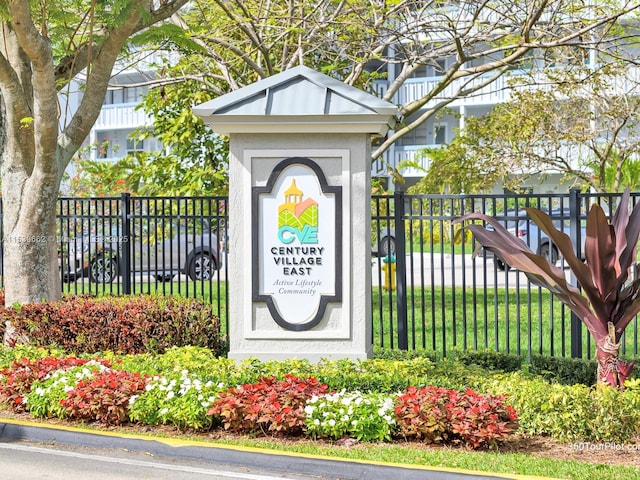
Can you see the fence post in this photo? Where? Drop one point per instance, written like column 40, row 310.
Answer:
column 401, row 270
column 574, row 230
column 125, row 251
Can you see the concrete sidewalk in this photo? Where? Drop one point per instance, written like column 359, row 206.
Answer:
column 293, row 463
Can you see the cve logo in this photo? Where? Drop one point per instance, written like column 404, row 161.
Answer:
column 297, row 217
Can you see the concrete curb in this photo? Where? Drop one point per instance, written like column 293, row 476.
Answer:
column 294, row 463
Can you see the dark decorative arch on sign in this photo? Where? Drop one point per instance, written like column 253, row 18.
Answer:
column 336, row 191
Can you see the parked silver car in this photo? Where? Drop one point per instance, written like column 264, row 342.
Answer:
column 184, row 247
column 519, row 224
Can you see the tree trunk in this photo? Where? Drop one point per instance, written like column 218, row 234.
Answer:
column 29, row 231
column 611, row 369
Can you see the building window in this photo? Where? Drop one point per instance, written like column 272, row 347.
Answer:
column 439, row 134
column 113, row 97
column 133, row 146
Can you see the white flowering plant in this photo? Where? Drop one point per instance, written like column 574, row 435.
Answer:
column 178, row 398
column 45, row 396
column 363, row 416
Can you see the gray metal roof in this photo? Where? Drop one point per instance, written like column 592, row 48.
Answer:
column 301, row 92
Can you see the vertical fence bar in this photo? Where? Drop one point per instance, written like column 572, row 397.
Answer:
column 574, row 229
column 125, row 211
column 443, row 303
column 401, row 271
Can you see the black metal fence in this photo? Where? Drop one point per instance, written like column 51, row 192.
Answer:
column 430, row 291
column 151, row 245
column 439, row 296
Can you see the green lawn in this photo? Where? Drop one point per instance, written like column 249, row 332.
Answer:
column 527, row 321
column 493, row 462
column 440, row 319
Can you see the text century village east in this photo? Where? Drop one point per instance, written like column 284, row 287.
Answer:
column 297, row 260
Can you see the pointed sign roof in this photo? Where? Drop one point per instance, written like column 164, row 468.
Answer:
column 298, row 100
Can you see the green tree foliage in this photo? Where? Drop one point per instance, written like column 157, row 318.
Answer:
column 455, row 169
column 228, row 44
column 194, row 162
column 583, row 127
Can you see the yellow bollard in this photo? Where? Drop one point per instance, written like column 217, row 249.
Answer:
column 389, row 269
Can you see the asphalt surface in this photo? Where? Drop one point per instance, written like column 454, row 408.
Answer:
column 217, row 457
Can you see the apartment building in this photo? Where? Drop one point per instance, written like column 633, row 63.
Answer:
column 110, row 138
column 436, row 132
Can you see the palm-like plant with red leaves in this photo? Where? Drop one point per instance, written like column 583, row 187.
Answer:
column 609, row 299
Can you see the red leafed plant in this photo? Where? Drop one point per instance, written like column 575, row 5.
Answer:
column 16, row 381
column 129, row 324
column 610, row 300
column 422, row 413
column 441, row 415
column 270, row 405
column 480, row 421
column 105, row 396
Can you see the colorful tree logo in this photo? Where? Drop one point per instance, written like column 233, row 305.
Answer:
column 297, row 217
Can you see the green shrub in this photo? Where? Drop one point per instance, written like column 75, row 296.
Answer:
column 617, row 414
column 571, row 412
column 8, row 355
column 130, row 324
column 568, row 371
column 192, row 358
column 490, row 360
column 394, row 354
column 452, row 374
column 374, row 375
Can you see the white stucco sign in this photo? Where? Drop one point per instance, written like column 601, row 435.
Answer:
column 299, row 214
column 297, row 244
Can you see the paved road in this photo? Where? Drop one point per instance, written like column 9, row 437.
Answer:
column 448, row 270
column 34, row 452
column 28, row 461
column 459, row 270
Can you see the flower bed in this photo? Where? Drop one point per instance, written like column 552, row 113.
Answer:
column 91, row 391
column 372, row 400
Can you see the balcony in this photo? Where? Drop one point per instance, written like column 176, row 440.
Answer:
column 498, row 91
column 412, row 153
column 413, row 89
column 121, row 117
